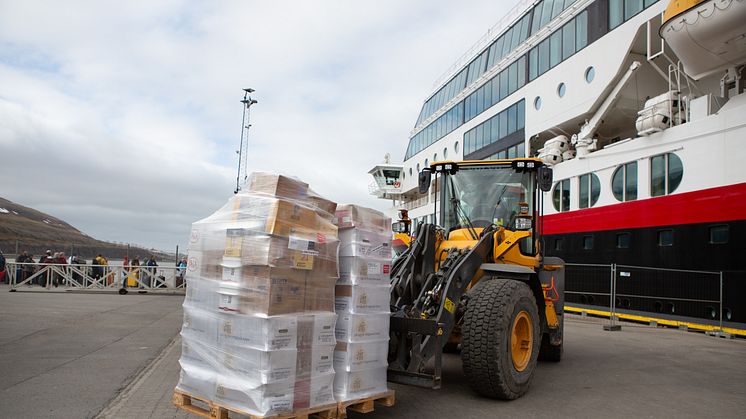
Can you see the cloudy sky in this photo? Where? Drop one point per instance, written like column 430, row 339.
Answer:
column 122, row 118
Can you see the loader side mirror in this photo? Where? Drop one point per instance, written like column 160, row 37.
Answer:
column 400, row 227
column 544, row 178
column 424, row 180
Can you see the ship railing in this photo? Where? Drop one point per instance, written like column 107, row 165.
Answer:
column 654, row 292
column 94, row 277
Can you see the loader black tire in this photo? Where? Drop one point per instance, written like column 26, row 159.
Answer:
column 486, row 345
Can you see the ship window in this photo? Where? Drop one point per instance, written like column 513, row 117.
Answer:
column 561, row 196
column 624, row 182
column 589, row 191
column 581, row 31
column 557, row 244
column 665, row 237
column 719, row 234
column 536, row 19
column 587, row 242
column 590, row 74
column 410, row 171
column 622, row 240
column 558, row 7
column 561, row 90
column 435, row 157
column 546, row 12
column 631, row 8
column 426, row 165
column 666, row 171
column 537, row 103
column 544, row 56
column 649, row 3
column 445, row 152
column 533, row 63
column 616, row 13
column 568, row 40
column 555, row 48
column 455, row 147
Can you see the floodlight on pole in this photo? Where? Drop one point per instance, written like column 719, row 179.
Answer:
column 241, row 176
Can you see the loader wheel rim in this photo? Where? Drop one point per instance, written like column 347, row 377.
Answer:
column 521, row 342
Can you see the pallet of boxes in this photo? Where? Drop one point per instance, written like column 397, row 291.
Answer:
column 362, row 304
column 258, row 336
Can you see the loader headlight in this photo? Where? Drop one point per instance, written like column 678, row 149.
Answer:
column 523, row 223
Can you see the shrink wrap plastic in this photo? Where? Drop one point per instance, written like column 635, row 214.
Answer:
column 258, row 334
column 362, row 302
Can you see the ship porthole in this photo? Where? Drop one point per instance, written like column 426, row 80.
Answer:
column 561, row 90
column 410, row 171
column 455, row 147
column 537, row 103
column 418, row 168
column 590, row 74
column 445, row 152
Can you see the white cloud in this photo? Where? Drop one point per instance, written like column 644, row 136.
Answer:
column 123, row 118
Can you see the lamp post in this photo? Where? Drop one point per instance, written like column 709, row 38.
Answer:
column 242, row 151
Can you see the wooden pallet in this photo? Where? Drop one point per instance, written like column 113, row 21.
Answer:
column 366, row 404
column 216, row 411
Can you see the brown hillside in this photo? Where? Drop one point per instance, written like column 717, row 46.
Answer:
column 35, row 232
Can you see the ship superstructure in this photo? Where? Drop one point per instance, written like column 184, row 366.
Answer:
column 639, row 107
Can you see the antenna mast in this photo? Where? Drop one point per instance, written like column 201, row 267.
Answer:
column 243, row 150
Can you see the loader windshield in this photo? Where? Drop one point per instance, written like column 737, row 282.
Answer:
column 478, row 196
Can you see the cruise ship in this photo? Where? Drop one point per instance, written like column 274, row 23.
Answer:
column 639, row 107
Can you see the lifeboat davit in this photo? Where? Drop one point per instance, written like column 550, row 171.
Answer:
column 707, row 35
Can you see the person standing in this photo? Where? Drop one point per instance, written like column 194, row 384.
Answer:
column 21, row 260
column 45, row 259
column 125, row 272
column 136, row 270
column 181, row 270
column 150, row 280
column 3, row 274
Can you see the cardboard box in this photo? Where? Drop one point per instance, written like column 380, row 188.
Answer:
column 361, row 271
column 362, row 327
column 350, row 215
column 200, row 325
column 325, row 208
column 361, row 356
column 258, row 365
column 314, row 392
column 197, row 352
column 357, row 242
column 300, row 252
column 201, row 294
column 359, row 384
column 362, row 299
column 197, row 380
column 253, row 397
column 266, row 333
column 277, row 185
column 270, row 215
column 319, row 292
column 315, row 360
column 204, row 264
column 315, row 329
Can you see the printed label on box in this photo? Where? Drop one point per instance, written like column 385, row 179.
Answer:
column 301, row 260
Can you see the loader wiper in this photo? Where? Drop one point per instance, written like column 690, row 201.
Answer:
column 461, row 214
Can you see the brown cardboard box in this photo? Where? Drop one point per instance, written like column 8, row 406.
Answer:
column 350, row 215
column 300, row 252
column 319, row 292
column 204, row 264
column 277, row 185
column 325, row 208
column 272, row 291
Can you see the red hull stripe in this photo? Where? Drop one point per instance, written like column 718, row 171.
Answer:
column 726, row 203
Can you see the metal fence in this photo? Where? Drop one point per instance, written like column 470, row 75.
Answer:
column 659, row 291
column 71, row 276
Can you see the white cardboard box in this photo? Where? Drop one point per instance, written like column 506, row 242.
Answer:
column 253, row 397
column 361, row 356
column 357, row 384
column 362, row 327
column 259, row 365
column 362, row 299
column 316, row 328
column 197, row 379
column 357, row 242
column 267, row 333
column 360, row 270
column 314, row 361
column 200, row 326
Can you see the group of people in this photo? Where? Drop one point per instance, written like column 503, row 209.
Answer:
column 134, row 273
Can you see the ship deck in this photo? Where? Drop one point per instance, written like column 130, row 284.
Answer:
column 83, row 355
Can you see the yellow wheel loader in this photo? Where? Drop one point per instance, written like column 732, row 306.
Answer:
column 477, row 279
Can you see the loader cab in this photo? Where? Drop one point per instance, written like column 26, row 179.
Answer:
column 477, row 194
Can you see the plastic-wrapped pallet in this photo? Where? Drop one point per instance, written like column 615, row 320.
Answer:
column 259, row 325
column 362, row 302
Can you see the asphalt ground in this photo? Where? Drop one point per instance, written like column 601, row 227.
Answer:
column 67, row 355
column 640, row 371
